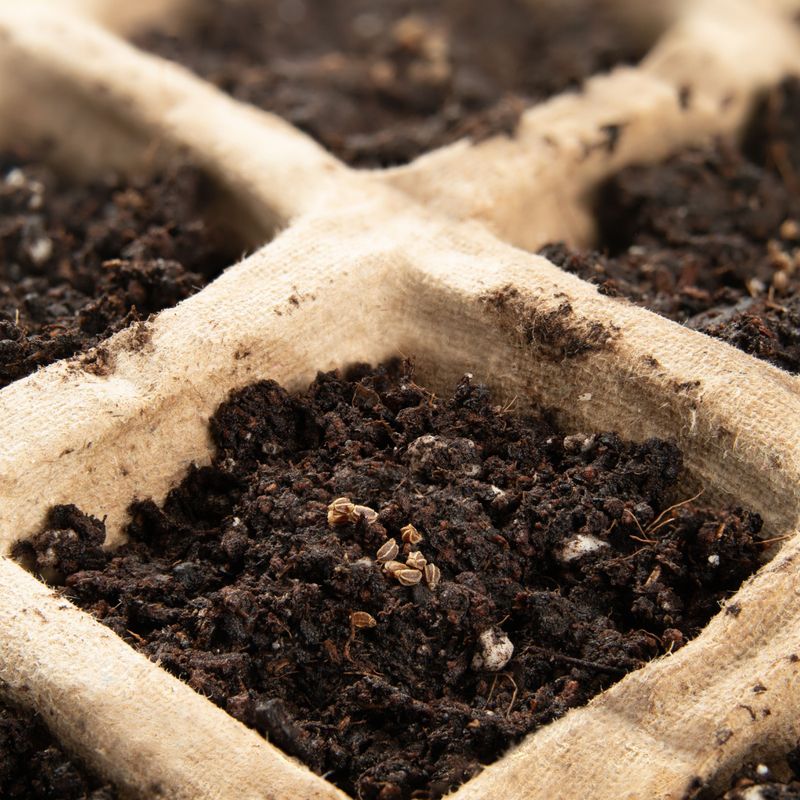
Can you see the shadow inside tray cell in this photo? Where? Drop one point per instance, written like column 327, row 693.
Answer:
column 33, row 764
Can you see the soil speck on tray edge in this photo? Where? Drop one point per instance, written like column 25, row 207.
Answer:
column 778, row 779
column 557, row 334
column 395, row 587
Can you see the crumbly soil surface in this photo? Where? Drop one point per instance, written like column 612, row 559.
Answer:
column 78, row 263
column 711, row 237
column 379, row 83
column 33, row 766
column 567, row 549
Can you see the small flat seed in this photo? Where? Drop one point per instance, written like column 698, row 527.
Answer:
column 408, row 577
column 432, row 575
column 387, row 551
column 416, row 560
column 410, row 535
column 341, row 512
column 369, row 514
column 362, row 619
column 790, row 229
column 394, row 566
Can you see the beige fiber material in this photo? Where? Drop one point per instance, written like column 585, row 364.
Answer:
column 428, row 259
column 124, row 18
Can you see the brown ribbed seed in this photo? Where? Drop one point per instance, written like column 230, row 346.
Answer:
column 362, row 619
column 432, row 575
column 369, row 514
column 394, row 566
column 410, row 535
column 387, row 551
column 408, row 577
column 341, row 512
column 416, row 560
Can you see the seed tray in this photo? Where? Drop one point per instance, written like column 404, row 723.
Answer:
column 431, row 259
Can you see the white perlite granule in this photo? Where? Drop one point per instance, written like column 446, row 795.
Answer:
column 495, row 651
column 579, row 545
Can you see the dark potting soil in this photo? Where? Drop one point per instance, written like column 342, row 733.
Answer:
column 561, row 562
column 758, row 782
column 78, row 263
column 33, row 765
column 764, row 790
column 379, row 83
column 711, row 237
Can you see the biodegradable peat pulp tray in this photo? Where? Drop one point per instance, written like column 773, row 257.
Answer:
column 428, row 259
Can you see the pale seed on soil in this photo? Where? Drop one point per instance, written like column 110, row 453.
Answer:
column 410, row 535
column 344, row 512
column 341, row 512
column 408, row 577
column 387, row 551
column 369, row 514
column 790, row 229
column 362, row 619
column 432, row 575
